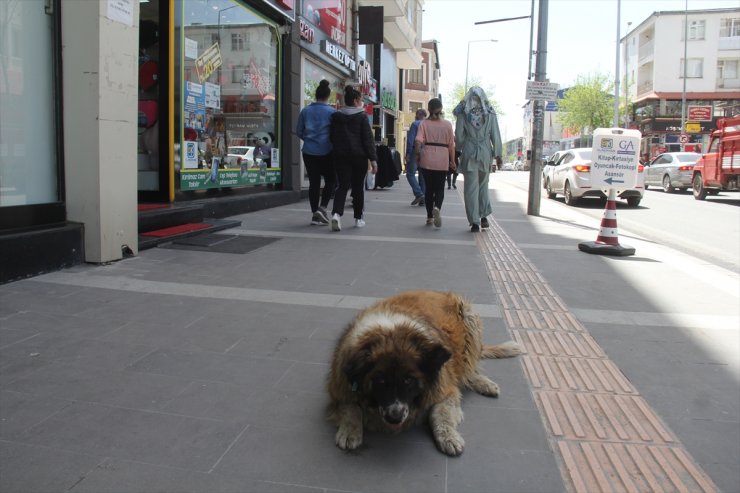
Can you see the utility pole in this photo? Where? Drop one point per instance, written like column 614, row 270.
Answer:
column 535, row 170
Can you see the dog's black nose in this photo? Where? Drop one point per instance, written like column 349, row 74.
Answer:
column 394, row 418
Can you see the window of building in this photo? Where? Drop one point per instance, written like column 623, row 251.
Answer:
column 229, row 81
column 237, row 42
column 694, row 68
column 727, row 73
column 415, row 106
column 416, row 76
column 729, row 28
column 696, row 29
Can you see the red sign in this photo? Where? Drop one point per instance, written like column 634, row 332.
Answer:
column 330, row 16
column 700, row 113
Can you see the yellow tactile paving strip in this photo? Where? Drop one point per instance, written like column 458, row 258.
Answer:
column 607, row 438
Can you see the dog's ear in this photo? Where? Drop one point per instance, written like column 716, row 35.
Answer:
column 433, row 359
column 356, row 367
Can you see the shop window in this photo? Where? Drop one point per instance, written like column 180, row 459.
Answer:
column 29, row 167
column 229, row 115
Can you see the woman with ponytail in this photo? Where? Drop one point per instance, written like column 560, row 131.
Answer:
column 313, row 126
column 435, row 151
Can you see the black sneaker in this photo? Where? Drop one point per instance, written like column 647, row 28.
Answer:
column 422, row 203
column 484, row 223
column 475, row 228
column 416, row 200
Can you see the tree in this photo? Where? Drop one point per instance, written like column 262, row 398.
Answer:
column 458, row 93
column 588, row 104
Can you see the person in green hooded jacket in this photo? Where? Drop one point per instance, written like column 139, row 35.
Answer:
column 478, row 138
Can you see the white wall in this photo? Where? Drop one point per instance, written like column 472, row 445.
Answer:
column 100, row 77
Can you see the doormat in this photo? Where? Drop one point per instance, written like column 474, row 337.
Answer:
column 221, row 243
column 176, row 230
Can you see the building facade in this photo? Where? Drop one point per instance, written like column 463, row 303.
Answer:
column 654, row 82
column 112, row 109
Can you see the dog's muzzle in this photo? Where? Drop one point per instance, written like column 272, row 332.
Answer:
column 395, row 414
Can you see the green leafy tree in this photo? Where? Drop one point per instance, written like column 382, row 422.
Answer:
column 588, row 104
column 458, row 93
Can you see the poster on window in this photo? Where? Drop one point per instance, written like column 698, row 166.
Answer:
column 329, row 16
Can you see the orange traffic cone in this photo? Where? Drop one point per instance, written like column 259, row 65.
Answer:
column 607, row 242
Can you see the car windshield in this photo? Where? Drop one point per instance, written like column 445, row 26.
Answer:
column 238, row 150
column 688, row 158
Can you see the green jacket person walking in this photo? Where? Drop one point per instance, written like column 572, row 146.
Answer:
column 478, row 138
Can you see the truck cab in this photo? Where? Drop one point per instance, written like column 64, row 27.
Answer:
column 719, row 169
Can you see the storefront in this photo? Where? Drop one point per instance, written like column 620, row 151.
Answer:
column 324, row 55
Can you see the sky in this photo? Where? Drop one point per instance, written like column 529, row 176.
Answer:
column 581, row 40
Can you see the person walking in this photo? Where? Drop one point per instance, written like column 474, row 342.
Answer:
column 417, row 186
column 435, row 153
column 314, row 122
column 452, row 174
column 478, row 139
column 352, row 139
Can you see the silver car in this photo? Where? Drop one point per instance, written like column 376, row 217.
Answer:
column 671, row 171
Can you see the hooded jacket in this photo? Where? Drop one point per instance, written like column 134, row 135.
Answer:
column 350, row 134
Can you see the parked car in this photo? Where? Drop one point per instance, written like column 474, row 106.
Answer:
column 671, row 171
column 571, row 177
column 237, row 155
column 547, row 165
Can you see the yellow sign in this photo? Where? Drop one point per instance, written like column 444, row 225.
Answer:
column 208, row 62
column 693, row 127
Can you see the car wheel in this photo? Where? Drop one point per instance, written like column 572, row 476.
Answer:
column 634, row 201
column 713, row 192
column 700, row 192
column 646, row 186
column 550, row 193
column 667, row 187
column 569, row 199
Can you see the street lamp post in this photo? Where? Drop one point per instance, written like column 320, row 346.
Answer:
column 467, row 63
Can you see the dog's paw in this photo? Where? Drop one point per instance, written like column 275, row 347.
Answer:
column 348, row 438
column 450, row 443
column 490, row 389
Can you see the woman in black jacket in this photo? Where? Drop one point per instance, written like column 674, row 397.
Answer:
column 353, row 145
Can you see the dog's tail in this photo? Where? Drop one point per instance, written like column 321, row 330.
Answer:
column 506, row 350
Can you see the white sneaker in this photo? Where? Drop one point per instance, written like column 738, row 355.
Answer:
column 359, row 223
column 336, row 222
column 437, row 217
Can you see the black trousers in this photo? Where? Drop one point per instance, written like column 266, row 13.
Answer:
column 434, row 194
column 317, row 167
column 351, row 173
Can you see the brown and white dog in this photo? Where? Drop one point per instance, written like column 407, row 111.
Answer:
column 406, row 355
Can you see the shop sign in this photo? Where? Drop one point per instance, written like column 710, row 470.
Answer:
column 307, row 33
column 217, row 178
column 338, row 54
column 388, row 100
column 700, row 113
column 208, row 62
column 330, row 16
column 285, row 7
column 693, row 127
column 673, row 126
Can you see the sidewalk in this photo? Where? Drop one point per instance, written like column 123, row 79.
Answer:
column 200, row 367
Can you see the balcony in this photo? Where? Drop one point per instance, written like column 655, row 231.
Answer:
column 644, row 87
column 647, row 50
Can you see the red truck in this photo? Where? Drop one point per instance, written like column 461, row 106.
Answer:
column 719, row 169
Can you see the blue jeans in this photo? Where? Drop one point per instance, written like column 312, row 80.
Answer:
column 416, row 186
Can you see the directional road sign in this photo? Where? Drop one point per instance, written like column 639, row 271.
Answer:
column 615, row 157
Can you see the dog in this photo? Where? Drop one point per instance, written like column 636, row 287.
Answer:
column 406, row 357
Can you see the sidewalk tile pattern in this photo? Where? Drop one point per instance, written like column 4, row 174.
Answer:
column 607, row 436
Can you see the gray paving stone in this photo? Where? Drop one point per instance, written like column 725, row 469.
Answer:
column 19, row 412
column 30, row 468
column 482, row 469
column 239, row 370
column 112, row 387
column 153, row 437
column 290, row 410
column 215, row 400
column 305, row 377
column 127, row 476
column 307, row 458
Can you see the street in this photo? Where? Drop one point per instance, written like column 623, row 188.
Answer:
column 708, row 229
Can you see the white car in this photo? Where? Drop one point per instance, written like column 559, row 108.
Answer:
column 239, row 156
column 571, row 178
